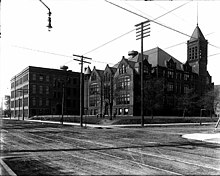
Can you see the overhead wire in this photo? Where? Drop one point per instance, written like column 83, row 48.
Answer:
column 128, row 32
column 163, row 25
column 158, row 17
column 57, row 54
column 120, row 37
column 132, row 30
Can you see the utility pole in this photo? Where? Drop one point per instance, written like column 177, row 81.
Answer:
column 81, row 85
column 15, row 97
column 142, row 31
column 49, row 13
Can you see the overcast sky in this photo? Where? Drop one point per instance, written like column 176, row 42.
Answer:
column 79, row 26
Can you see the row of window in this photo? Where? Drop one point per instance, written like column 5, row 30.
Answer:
column 19, row 103
column 40, row 77
column 177, row 88
column 119, row 111
column 17, row 82
column 40, row 101
column 193, row 53
column 41, row 89
column 94, row 101
column 123, row 99
column 19, row 92
column 123, row 83
column 179, row 76
column 94, row 89
column 122, row 69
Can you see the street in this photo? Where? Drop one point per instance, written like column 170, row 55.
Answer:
column 31, row 148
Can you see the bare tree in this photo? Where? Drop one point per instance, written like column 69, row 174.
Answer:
column 153, row 94
column 210, row 100
column 187, row 101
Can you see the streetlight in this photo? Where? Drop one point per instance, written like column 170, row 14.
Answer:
column 142, row 31
column 49, row 13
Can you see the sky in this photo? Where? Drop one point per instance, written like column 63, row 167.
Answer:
column 81, row 27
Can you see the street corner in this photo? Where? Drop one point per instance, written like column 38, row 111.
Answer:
column 211, row 137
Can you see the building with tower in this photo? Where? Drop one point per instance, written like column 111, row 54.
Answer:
column 116, row 90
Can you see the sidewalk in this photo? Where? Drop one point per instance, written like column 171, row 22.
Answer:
column 125, row 125
column 212, row 137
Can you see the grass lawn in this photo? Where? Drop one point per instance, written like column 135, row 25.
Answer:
column 127, row 119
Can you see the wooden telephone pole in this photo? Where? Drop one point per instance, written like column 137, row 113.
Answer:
column 81, row 85
column 142, row 31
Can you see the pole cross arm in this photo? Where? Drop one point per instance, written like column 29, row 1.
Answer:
column 82, row 57
column 143, row 37
column 142, row 23
column 146, row 32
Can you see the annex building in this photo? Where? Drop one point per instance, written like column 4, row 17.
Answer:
column 116, row 90
column 41, row 91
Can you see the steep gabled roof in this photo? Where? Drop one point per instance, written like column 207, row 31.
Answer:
column 112, row 69
column 87, row 71
column 100, row 72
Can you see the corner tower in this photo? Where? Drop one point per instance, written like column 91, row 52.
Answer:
column 197, row 48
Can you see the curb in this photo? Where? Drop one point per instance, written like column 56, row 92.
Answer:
column 6, row 168
column 127, row 125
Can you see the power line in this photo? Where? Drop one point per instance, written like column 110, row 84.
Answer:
column 150, row 19
column 109, row 41
column 56, row 54
column 157, row 18
column 132, row 30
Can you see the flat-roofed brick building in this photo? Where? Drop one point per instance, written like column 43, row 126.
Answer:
column 39, row 91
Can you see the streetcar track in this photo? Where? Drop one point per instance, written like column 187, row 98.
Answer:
column 132, row 149
column 110, row 146
column 146, row 165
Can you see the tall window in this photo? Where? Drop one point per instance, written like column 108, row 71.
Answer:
column 170, row 74
column 122, row 69
column 94, row 89
column 186, row 88
column 34, row 101
column 34, row 77
column 47, row 78
column 47, row 90
column 47, row 102
column 186, row 76
column 193, row 53
column 93, row 77
column 124, row 83
column 41, row 89
column 34, row 89
column 106, row 91
column 25, row 78
column 123, row 99
column 93, row 101
column 170, row 87
column 40, row 101
column 41, row 77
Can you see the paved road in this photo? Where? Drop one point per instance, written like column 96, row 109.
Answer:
column 39, row 148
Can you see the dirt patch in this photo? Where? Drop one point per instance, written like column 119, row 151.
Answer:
column 30, row 166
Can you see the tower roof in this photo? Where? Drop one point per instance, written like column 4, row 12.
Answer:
column 87, row 71
column 197, row 34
